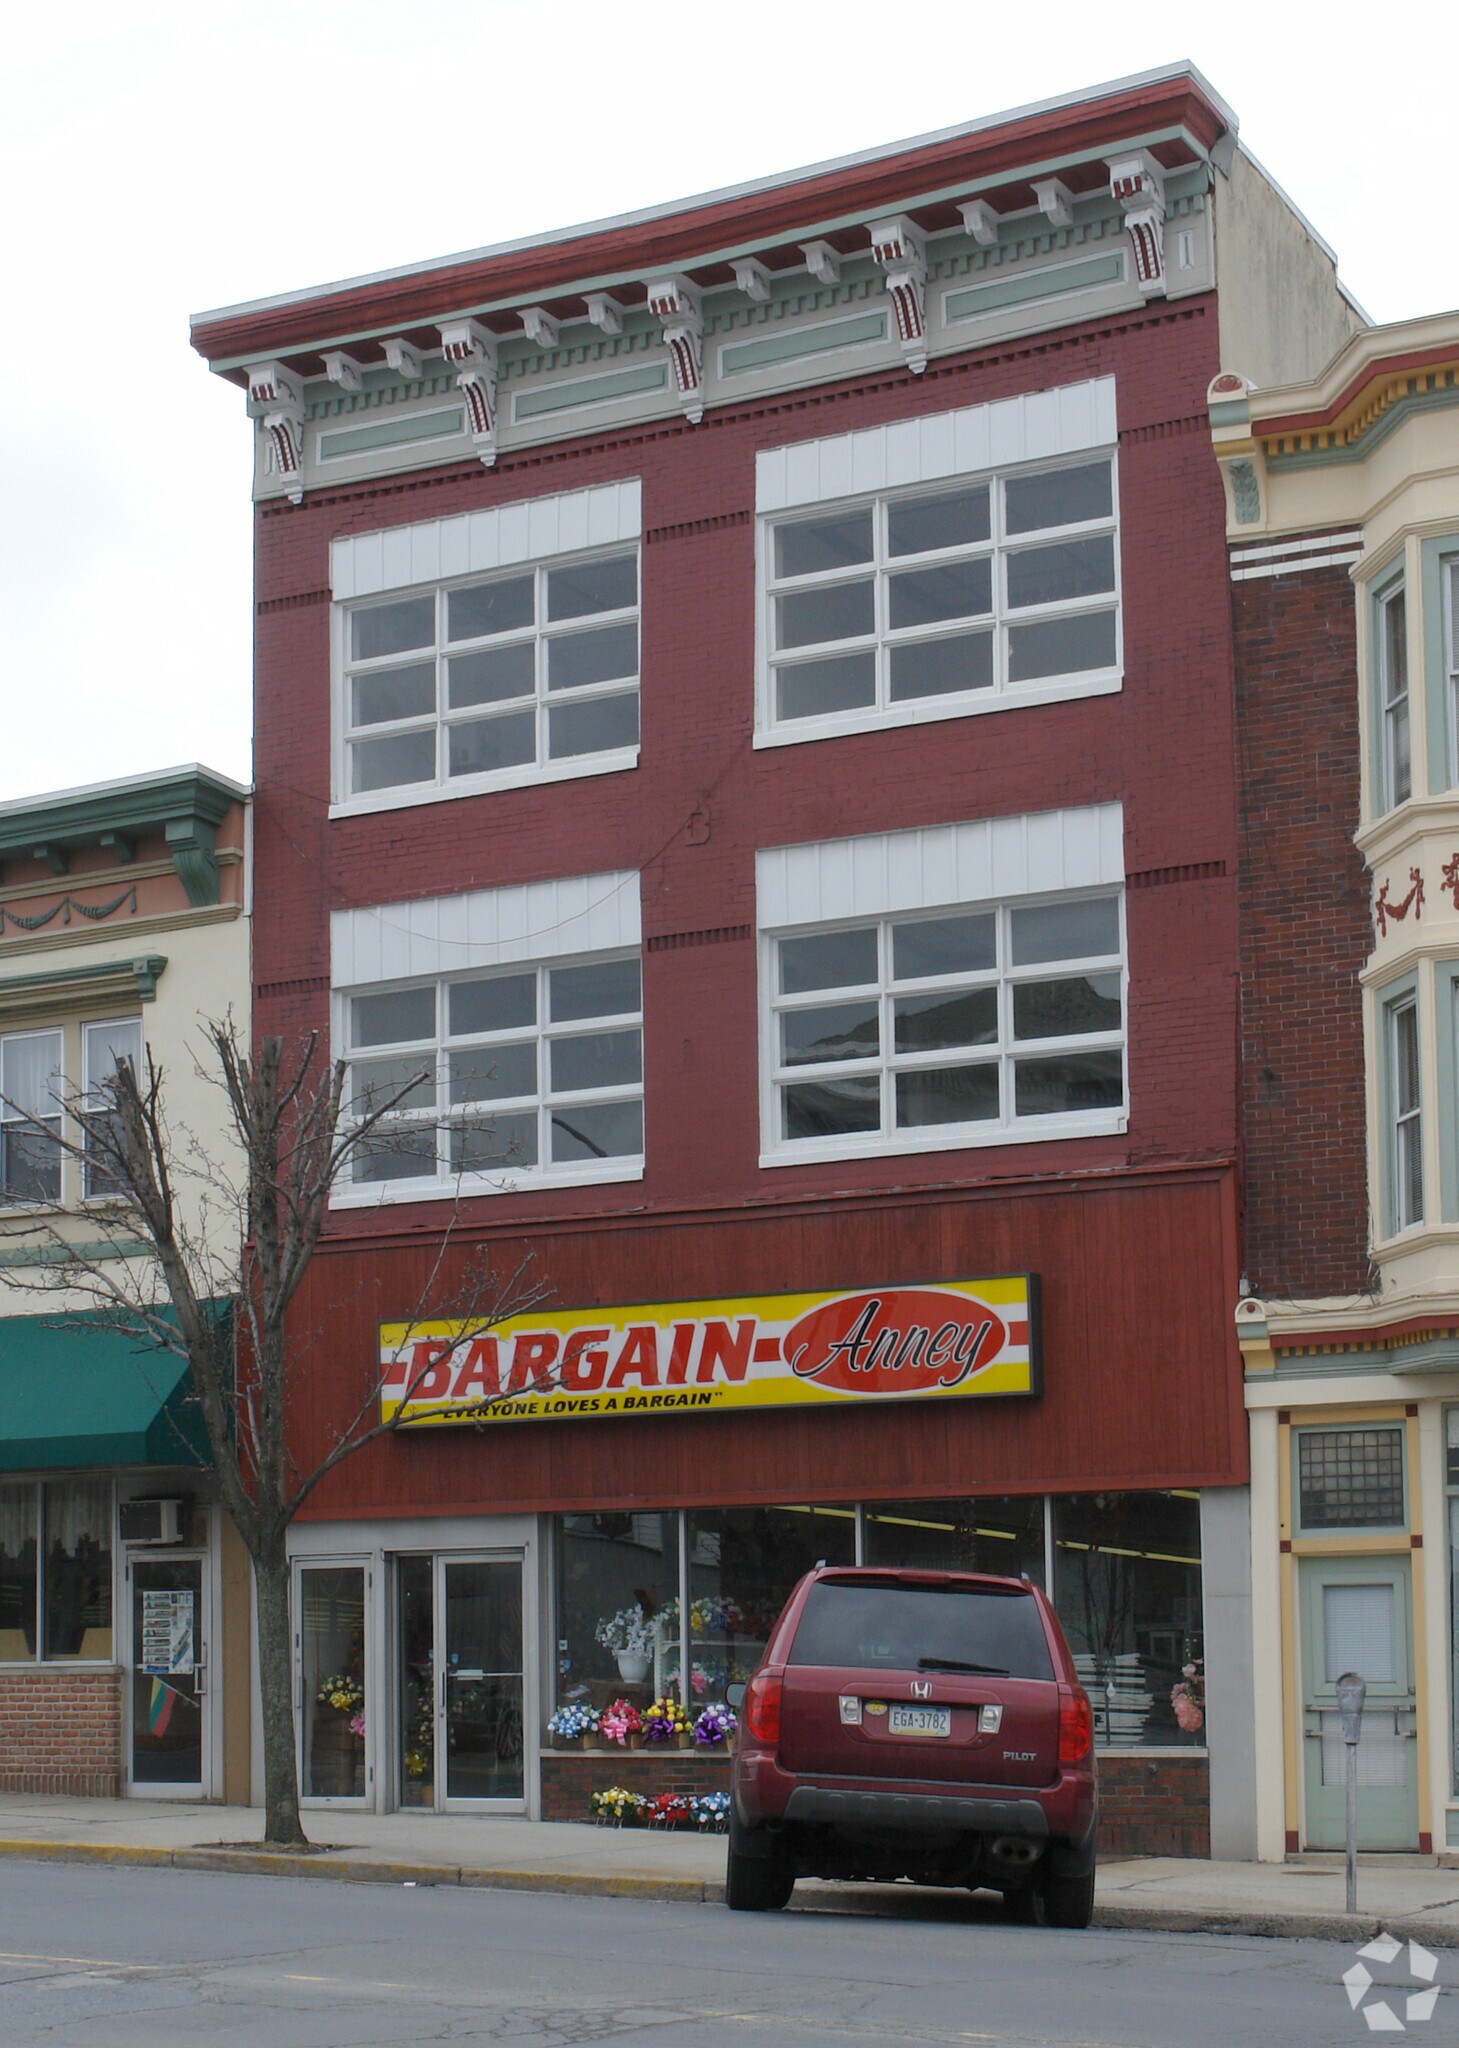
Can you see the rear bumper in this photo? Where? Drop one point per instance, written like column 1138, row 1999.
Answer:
column 1062, row 1814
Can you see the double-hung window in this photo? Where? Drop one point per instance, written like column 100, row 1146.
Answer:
column 974, row 1023
column 528, row 1073
column 494, row 679
column 105, row 1046
column 1392, row 662
column 1449, row 574
column 1406, row 1155
column 31, row 1083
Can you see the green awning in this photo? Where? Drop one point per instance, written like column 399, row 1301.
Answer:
column 75, row 1392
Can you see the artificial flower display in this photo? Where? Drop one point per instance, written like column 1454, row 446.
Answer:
column 571, row 1722
column 716, row 1724
column 664, row 1721
column 619, row 1721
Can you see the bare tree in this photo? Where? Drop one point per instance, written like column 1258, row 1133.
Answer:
column 241, row 1232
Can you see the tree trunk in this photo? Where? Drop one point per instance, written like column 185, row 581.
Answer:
column 282, row 1826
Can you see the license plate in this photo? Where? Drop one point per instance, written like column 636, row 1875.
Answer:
column 919, row 1721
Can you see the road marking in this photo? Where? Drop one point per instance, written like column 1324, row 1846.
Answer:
column 90, row 1962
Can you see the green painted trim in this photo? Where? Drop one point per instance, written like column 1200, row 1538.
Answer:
column 61, row 1255
column 1230, row 412
column 804, row 341
column 1385, row 1000
column 1047, row 282
column 1438, row 711
column 421, row 426
column 1359, row 450
column 143, row 973
column 143, row 807
column 551, row 398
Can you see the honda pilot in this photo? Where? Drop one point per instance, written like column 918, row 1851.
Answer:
column 916, row 1724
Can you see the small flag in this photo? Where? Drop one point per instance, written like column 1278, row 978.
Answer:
column 159, row 1707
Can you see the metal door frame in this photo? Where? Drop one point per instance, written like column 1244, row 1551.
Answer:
column 352, row 1803
column 201, row 1555
column 518, row 1555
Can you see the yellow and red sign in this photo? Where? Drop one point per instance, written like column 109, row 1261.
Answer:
column 950, row 1339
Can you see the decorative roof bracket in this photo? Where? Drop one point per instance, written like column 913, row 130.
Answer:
column 538, row 325
column 822, row 261
column 470, row 349
column 343, row 370
column 753, row 279
column 1056, row 201
column 605, row 313
column 980, row 221
column 898, row 247
column 1137, row 183
column 402, row 358
column 192, row 841
column 281, row 395
column 675, row 301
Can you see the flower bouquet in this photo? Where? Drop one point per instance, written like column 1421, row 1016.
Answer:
column 666, row 1721
column 714, row 1727
column 668, row 1810
column 346, row 1695
column 615, row 1807
column 711, row 1812
column 1188, row 1697
column 631, row 1637
column 574, row 1723
column 621, row 1723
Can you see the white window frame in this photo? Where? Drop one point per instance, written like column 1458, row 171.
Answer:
column 1008, row 1128
column 438, row 555
column 1395, row 707
column 8, row 1119
column 92, row 1085
column 37, row 1486
column 539, row 635
column 1029, row 435
column 1405, row 1122
column 1449, row 579
column 507, row 1179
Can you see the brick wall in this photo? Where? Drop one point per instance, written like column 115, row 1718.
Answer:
column 1305, row 933
column 60, row 1731
column 1149, row 1806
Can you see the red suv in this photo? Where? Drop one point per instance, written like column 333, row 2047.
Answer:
column 916, row 1724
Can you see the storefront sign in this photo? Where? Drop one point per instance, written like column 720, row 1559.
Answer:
column 950, row 1339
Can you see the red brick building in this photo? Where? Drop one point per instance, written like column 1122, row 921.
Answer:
column 744, row 701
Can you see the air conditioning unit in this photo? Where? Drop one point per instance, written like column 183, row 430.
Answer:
column 152, row 1521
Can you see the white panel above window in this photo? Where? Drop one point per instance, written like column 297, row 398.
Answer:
column 1038, row 426
column 484, row 928
column 364, row 564
column 991, row 859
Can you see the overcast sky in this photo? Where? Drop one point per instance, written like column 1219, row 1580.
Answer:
column 176, row 155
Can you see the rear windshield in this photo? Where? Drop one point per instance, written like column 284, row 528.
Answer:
column 907, row 1628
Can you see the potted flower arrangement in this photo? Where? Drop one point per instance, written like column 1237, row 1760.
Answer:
column 631, row 1636
column 622, row 1723
column 1188, row 1697
column 711, row 1811
column 614, row 1806
column 575, row 1722
column 714, row 1727
column 666, row 1721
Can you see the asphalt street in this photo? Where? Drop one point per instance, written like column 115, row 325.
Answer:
column 117, row 1958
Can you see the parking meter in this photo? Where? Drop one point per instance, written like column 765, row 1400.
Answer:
column 1351, row 1692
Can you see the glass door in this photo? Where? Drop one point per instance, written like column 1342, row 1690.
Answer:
column 169, row 1715
column 329, row 1649
column 460, row 1682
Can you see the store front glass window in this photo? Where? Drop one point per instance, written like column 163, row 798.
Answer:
column 332, row 1700
column 17, row 1573
column 743, row 1563
column 1451, row 1480
column 617, row 1608
column 1127, row 1587
column 994, row 1533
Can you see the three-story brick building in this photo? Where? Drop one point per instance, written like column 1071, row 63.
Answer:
column 744, row 707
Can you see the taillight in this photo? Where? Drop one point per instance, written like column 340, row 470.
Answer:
column 762, row 1707
column 1076, row 1724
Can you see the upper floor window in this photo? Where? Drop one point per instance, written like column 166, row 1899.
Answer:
column 533, row 1072
column 1406, row 1114
column 940, row 566
column 1449, row 571
column 31, row 1081
column 495, row 680
column 105, row 1047
column 1392, row 654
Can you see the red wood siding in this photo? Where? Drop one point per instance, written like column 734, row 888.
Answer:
column 1141, row 1385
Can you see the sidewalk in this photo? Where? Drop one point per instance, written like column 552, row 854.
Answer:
column 1409, row 1896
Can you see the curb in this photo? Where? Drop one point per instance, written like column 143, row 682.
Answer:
column 1115, row 1916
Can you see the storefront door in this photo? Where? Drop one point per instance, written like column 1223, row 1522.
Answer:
column 168, row 1660
column 330, row 1660
column 1356, row 1616
column 460, row 1682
